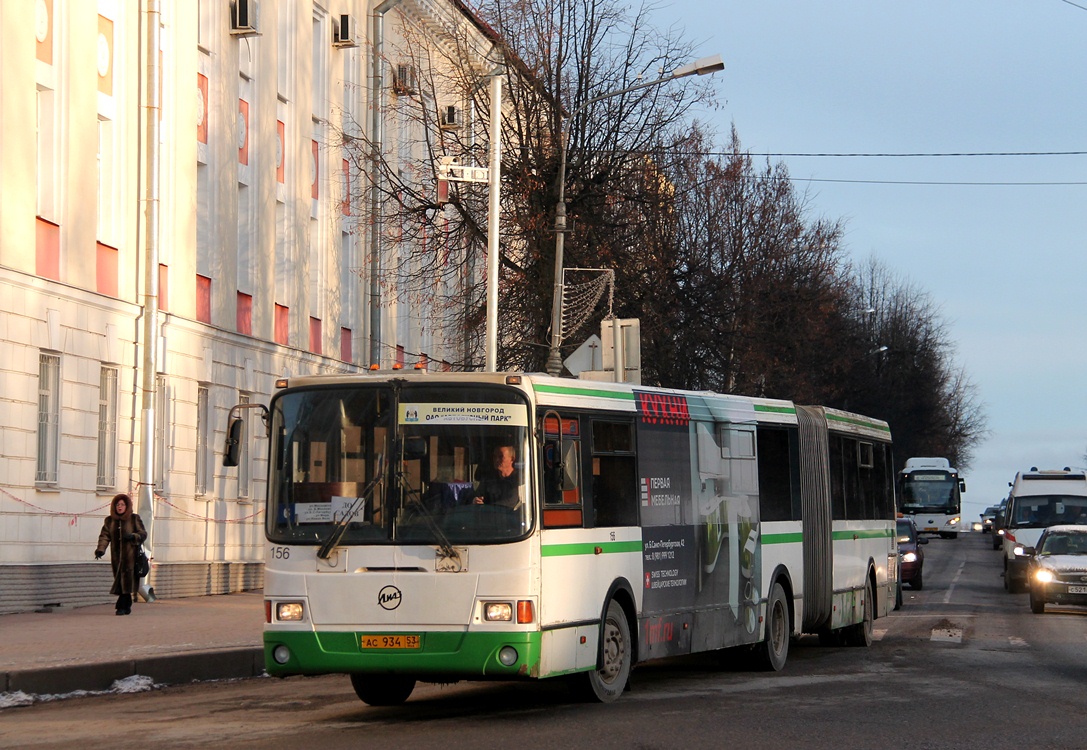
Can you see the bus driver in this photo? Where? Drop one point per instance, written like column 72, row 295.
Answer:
column 502, row 485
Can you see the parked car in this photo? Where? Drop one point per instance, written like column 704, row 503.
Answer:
column 1058, row 567
column 911, row 558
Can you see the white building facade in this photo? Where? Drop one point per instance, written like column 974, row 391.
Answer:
column 199, row 198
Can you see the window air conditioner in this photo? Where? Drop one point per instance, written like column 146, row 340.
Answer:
column 450, row 118
column 343, row 31
column 243, row 18
column 406, row 79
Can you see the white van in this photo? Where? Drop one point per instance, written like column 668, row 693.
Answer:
column 1038, row 499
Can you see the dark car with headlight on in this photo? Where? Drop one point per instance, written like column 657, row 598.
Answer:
column 911, row 558
column 1058, row 567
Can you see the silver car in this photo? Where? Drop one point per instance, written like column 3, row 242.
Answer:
column 1058, row 567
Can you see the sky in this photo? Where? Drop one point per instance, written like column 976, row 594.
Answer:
column 1004, row 262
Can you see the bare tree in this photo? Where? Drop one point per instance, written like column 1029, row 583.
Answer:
column 909, row 378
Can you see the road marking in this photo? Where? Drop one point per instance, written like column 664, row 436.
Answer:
column 947, row 596
column 946, row 635
column 1017, row 641
column 878, row 633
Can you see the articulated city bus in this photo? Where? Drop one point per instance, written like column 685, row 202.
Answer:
column 930, row 491
column 442, row 527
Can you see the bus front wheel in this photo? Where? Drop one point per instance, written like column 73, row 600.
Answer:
column 607, row 683
column 382, row 689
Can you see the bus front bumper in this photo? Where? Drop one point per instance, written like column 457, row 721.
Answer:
column 439, row 655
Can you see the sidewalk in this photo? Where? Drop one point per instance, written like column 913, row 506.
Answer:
column 170, row 640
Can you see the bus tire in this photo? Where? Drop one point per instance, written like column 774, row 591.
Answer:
column 606, row 684
column 382, row 689
column 774, row 650
column 861, row 633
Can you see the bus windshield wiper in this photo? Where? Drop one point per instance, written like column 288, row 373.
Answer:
column 341, row 526
column 415, row 499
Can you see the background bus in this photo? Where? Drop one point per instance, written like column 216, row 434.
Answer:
column 930, row 491
column 641, row 523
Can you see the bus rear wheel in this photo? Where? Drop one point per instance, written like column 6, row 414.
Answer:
column 382, row 689
column 774, row 650
column 607, row 683
column 861, row 633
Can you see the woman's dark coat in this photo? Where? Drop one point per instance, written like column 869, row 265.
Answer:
column 122, row 554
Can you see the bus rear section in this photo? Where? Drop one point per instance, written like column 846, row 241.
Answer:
column 1038, row 500
column 930, row 490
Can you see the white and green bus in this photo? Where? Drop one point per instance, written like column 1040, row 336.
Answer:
column 636, row 523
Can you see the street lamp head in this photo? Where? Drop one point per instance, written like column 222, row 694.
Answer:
column 701, row 67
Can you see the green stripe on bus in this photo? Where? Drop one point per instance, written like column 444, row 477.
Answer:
column 775, row 409
column 859, row 423
column 590, row 548
column 791, row 538
column 862, row 534
column 797, row 537
column 569, row 391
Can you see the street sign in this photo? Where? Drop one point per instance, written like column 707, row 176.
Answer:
column 586, row 357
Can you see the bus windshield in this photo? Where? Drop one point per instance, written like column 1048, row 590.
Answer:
column 930, row 492
column 417, row 465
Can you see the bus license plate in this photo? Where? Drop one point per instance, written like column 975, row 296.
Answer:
column 1077, row 589
column 931, row 528
column 390, row 641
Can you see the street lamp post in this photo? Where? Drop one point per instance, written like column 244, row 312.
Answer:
column 700, row 67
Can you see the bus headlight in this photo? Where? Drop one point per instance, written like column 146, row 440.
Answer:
column 497, row 611
column 1043, row 576
column 289, row 611
column 954, row 521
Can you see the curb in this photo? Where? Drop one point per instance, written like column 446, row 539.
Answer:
column 173, row 669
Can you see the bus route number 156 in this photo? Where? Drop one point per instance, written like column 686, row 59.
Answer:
column 280, row 553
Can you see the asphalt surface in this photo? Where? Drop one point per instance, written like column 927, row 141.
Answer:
column 172, row 641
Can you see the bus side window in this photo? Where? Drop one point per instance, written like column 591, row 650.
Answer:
column 779, row 474
column 615, row 481
column 561, row 470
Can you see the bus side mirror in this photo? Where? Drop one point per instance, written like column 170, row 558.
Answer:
column 232, row 449
column 962, row 485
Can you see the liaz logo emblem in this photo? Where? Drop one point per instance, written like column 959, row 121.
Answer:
column 389, row 597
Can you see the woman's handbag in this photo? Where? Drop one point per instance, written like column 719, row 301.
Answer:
column 143, row 565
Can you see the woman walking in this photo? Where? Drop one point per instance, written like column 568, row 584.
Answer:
column 123, row 533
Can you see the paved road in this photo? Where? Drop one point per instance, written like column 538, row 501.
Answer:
column 962, row 665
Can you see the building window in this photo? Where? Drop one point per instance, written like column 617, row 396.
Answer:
column 345, row 344
column 48, row 418
column 162, row 419
column 107, row 429
column 243, row 450
column 203, row 299
column 315, row 335
column 282, row 324
column 245, row 313
column 164, row 289
column 106, row 265
column 203, row 425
